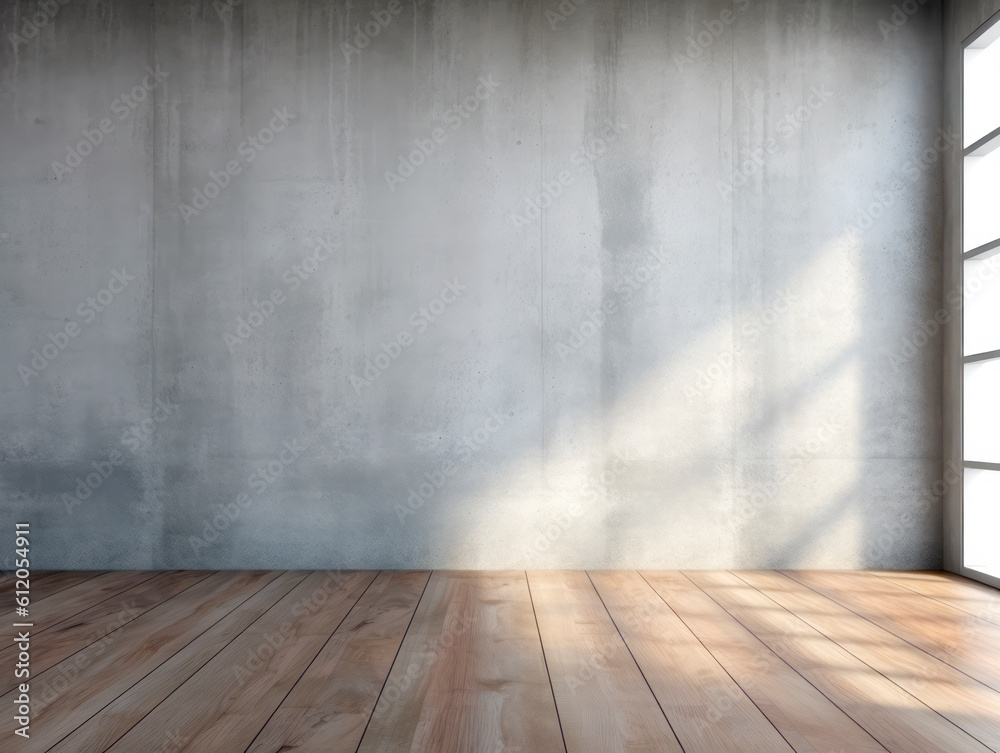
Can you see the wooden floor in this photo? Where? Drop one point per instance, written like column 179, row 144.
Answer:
column 484, row 662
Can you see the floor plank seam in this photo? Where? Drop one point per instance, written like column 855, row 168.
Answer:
column 105, row 636
column 931, row 656
column 548, row 674
column 193, row 639
column 761, row 660
column 84, row 648
column 399, row 648
column 780, row 658
column 58, row 591
column 940, row 601
column 98, row 603
column 712, row 654
column 873, row 669
column 643, row 674
column 310, row 662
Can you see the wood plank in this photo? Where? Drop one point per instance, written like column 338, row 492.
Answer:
column 222, row 707
column 961, row 593
column 72, row 691
column 806, row 718
column 604, row 703
column 963, row 641
column 7, row 582
column 467, row 672
column 470, row 675
column 900, row 722
column 61, row 580
column 69, row 601
column 709, row 712
column 8, row 579
column 954, row 695
column 53, row 643
column 327, row 710
column 44, row 587
column 107, row 726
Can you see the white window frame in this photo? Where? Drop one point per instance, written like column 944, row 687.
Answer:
column 985, row 35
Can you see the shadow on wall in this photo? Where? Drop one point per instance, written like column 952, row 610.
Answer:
column 467, row 285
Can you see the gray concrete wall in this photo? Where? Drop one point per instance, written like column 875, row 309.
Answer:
column 704, row 351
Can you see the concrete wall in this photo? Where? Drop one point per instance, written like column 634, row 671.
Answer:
column 705, row 351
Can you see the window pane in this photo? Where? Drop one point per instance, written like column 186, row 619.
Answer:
column 982, row 106
column 982, row 411
column 982, row 186
column 981, row 304
column 982, row 520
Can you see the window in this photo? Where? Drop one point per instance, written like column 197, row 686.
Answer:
column 981, row 302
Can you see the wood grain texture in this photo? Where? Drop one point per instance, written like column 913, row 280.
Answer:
column 900, row 722
column 105, row 728
column 806, row 718
column 7, row 585
column 955, row 696
column 222, row 707
column 709, row 712
column 603, row 701
column 43, row 586
column 51, row 644
column 51, row 582
column 328, row 708
column 470, row 676
column 69, row 693
column 8, row 580
column 487, row 662
column 971, row 597
column 956, row 637
column 69, row 601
